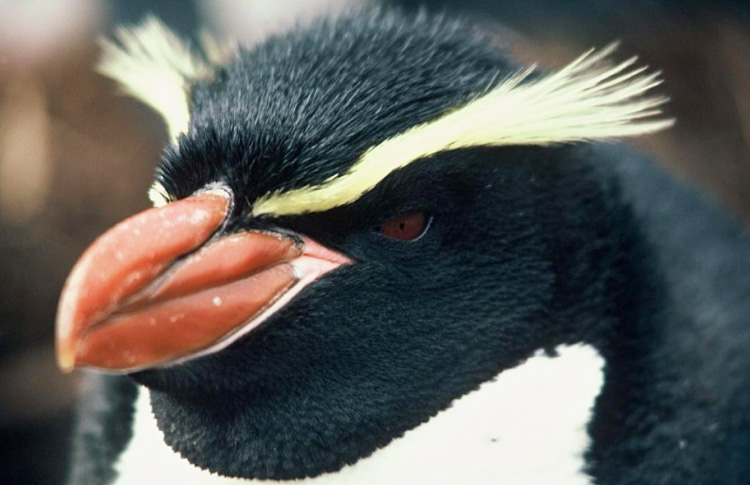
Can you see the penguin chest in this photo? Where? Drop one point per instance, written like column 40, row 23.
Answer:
column 527, row 426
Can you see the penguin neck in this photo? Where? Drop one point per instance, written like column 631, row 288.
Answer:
column 527, row 426
column 612, row 295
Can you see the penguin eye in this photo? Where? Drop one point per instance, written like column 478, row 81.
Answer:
column 405, row 227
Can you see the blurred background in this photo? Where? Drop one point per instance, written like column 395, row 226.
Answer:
column 75, row 157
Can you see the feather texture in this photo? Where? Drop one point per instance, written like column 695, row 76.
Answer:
column 589, row 99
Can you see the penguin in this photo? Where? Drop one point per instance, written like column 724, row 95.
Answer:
column 383, row 251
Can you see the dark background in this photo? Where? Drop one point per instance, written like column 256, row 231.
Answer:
column 75, row 157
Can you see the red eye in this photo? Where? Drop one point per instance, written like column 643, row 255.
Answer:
column 405, row 227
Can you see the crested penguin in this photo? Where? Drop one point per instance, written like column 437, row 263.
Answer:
column 382, row 251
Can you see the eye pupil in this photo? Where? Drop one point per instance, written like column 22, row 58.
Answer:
column 405, row 227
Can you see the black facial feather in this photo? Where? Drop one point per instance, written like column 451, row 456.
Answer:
column 528, row 248
column 380, row 346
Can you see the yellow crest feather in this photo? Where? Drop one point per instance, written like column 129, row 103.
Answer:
column 588, row 99
column 153, row 65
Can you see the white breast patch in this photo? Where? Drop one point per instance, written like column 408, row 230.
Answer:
column 527, row 427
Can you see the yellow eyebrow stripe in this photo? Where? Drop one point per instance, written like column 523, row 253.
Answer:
column 589, row 99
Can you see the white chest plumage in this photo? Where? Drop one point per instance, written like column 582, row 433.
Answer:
column 526, row 427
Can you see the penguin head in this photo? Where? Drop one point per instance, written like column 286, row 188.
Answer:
column 360, row 223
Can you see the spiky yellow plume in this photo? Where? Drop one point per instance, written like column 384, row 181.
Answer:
column 589, row 99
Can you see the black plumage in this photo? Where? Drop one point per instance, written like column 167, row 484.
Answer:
column 527, row 248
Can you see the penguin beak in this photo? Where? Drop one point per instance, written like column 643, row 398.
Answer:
column 161, row 287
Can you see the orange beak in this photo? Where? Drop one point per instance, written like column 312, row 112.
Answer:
column 158, row 289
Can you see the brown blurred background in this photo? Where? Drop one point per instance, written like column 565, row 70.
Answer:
column 75, row 157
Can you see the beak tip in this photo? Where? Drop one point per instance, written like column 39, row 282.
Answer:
column 66, row 362
column 104, row 275
column 65, row 351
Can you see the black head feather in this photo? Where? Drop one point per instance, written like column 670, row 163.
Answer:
column 302, row 107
